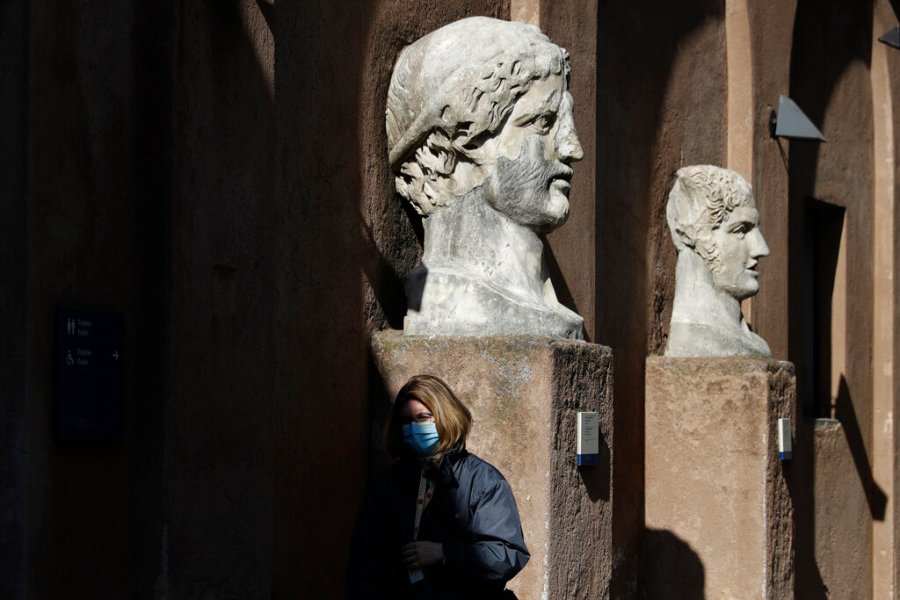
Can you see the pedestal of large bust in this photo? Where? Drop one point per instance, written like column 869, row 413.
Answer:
column 524, row 394
column 718, row 511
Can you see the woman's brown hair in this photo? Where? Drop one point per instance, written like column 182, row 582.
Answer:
column 451, row 417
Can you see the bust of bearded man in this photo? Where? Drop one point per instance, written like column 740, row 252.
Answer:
column 481, row 140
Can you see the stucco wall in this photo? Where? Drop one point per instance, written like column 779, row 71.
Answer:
column 219, row 384
column 81, row 251
column 835, row 94
column 770, row 34
column 319, row 395
column 573, row 248
column 660, row 105
column 842, row 547
column 13, row 303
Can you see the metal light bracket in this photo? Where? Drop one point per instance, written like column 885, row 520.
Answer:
column 792, row 123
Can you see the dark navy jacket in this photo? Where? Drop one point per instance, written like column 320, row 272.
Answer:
column 473, row 514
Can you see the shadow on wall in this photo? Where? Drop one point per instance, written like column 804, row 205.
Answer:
column 875, row 496
column 219, row 474
column 598, row 481
column 563, row 292
column 380, row 402
column 320, row 343
column 670, row 568
column 385, row 283
column 830, row 54
column 660, row 105
column 810, row 584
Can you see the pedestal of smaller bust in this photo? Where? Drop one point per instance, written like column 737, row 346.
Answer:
column 524, row 394
column 718, row 511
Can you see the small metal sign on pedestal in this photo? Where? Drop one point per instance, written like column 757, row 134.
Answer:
column 587, row 444
column 89, row 375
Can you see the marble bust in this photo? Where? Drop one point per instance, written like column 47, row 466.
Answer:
column 715, row 226
column 481, row 140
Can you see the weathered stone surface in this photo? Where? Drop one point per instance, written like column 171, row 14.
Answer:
column 14, row 450
column 716, row 495
column 714, row 224
column 481, row 138
column 524, row 393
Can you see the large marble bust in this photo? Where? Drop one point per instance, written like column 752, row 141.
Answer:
column 481, row 141
column 715, row 226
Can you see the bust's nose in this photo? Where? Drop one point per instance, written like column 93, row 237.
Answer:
column 568, row 146
column 759, row 247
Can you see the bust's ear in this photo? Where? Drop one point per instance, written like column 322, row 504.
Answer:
column 436, row 156
column 686, row 235
column 427, row 179
column 412, row 184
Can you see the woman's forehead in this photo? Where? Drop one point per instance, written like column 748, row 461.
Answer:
column 413, row 406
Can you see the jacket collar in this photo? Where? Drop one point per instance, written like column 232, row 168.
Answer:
column 441, row 468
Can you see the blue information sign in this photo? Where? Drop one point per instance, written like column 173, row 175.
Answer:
column 89, row 375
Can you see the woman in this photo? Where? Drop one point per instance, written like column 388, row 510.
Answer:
column 440, row 522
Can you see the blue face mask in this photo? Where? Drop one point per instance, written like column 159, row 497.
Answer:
column 421, row 438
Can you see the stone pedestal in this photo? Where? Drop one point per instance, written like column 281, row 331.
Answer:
column 718, row 511
column 524, row 393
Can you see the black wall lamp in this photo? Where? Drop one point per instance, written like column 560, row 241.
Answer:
column 792, row 123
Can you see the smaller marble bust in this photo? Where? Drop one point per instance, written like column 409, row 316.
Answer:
column 715, row 226
column 481, row 140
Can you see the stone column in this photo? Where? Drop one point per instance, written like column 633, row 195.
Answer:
column 718, row 511
column 524, row 393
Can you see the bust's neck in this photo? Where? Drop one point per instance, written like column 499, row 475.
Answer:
column 697, row 300
column 472, row 238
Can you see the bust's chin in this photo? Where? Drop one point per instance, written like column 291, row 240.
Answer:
column 555, row 214
column 557, row 209
column 739, row 292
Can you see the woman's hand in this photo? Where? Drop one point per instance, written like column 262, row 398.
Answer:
column 416, row 555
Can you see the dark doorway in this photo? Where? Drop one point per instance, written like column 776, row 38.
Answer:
column 824, row 226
